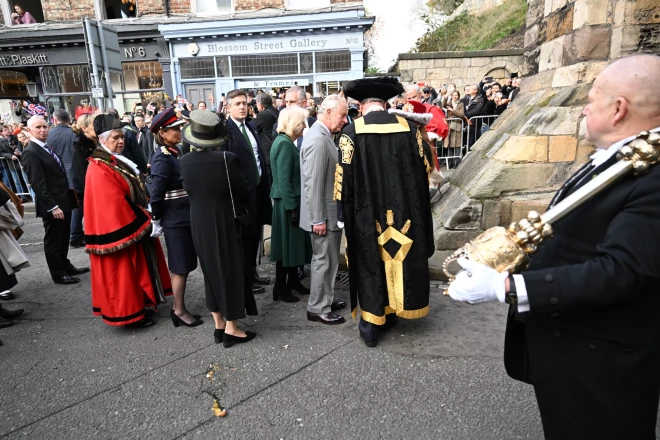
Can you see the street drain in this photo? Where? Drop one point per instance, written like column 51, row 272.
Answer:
column 342, row 279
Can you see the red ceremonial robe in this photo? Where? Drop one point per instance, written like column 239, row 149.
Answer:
column 129, row 270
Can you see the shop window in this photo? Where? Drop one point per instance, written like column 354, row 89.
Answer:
column 120, row 9
column 142, row 75
column 26, row 12
column 265, row 65
column 13, row 84
column 197, row 68
column 335, row 61
column 214, row 6
column 223, row 66
column 307, row 62
column 307, row 4
column 65, row 79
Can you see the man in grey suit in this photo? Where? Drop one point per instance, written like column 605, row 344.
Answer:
column 318, row 210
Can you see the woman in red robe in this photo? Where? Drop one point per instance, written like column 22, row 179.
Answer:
column 129, row 271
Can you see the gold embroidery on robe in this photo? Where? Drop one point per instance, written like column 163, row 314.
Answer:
column 339, row 180
column 394, row 264
column 347, row 149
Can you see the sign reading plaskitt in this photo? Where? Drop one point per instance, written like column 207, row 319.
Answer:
column 279, row 44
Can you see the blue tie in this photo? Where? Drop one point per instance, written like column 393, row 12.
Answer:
column 299, row 142
column 52, row 153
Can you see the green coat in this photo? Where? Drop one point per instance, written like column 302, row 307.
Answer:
column 288, row 244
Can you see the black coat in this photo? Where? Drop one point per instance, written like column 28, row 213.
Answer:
column 589, row 344
column 220, row 250
column 259, row 204
column 132, row 150
column 264, row 122
column 6, row 151
column 165, row 176
column 61, row 139
column 146, row 142
column 48, row 180
column 83, row 147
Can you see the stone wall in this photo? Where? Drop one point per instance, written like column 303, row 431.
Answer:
column 539, row 142
column 460, row 68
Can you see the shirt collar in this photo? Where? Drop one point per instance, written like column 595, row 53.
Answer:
column 124, row 159
column 602, row 156
column 237, row 122
column 38, row 142
column 326, row 129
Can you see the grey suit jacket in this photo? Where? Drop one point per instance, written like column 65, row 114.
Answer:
column 318, row 160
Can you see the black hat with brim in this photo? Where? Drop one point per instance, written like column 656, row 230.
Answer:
column 104, row 123
column 383, row 88
column 204, row 130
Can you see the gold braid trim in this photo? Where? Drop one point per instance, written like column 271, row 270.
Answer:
column 421, row 154
column 339, row 179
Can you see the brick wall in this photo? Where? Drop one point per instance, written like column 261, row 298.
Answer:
column 2, row 18
column 249, row 5
column 344, row 1
column 61, row 10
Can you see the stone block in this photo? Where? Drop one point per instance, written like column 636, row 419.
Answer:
column 642, row 12
column 534, row 12
column 562, row 148
column 502, row 177
column 552, row 121
column 435, row 264
column 552, row 54
column 523, row 149
column 579, row 73
column 531, row 35
column 457, row 211
column 453, row 62
column 553, row 5
column 560, row 23
column 439, row 62
column 584, row 151
column 481, row 61
column 466, row 62
column 583, row 128
column 451, row 240
column 406, row 75
column 496, row 213
column 588, row 43
column 536, row 82
column 520, row 208
column 571, row 96
column 589, row 12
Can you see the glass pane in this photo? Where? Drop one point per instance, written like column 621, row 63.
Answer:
column 86, row 78
column 144, row 75
column 223, row 66
column 49, row 80
column 12, row 84
column 264, row 65
column 70, row 79
column 306, row 62
column 335, row 61
column 196, row 68
column 115, row 81
column 211, row 6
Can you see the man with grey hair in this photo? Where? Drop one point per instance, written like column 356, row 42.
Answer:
column 318, row 211
column 61, row 139
column 54, row 201
column 296, row 97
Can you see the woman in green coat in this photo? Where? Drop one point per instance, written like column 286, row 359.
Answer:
column 290, row 246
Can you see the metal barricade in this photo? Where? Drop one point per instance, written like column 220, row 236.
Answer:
column 14, row 177
column 451, row 155
column 474, row 129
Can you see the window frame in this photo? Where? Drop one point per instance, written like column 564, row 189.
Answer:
column 193, row 8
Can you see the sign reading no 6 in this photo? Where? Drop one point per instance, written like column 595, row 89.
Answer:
column 130, row 52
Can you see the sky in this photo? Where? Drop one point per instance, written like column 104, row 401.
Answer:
column 401, row 28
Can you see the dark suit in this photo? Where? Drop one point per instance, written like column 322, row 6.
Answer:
column 145, row 140
column 132, row 150
column 589, row 344
column 265, row 121
column 259, row 204
column 51, row 188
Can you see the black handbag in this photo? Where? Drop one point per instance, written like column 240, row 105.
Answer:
column 244, row 220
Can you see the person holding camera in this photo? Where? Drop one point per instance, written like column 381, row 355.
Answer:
column 21, row 16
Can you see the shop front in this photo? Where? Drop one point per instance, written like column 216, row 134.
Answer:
column 316, row 51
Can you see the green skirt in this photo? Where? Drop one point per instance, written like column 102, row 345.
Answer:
column 288, row 244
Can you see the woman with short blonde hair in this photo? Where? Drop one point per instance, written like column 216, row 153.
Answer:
column 290, row 245
column 292, row 122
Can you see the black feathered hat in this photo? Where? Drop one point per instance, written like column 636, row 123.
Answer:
column 384, row 87
column 103, row 123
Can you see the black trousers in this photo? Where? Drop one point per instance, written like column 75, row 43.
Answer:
column 56, row 245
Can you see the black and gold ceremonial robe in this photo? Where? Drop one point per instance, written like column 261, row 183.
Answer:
column 382, row 182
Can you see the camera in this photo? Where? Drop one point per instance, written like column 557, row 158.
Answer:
column 353, row 110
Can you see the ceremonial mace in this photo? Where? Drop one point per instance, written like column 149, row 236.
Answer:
column 509, row 249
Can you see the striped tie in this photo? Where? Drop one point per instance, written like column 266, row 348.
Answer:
column 52, row 153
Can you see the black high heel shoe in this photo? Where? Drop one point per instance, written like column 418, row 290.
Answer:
column 229, row 340
column 218, row 333
column 176, row 320
column 284, row 294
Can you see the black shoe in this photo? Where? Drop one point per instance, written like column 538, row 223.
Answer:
column 176, row 320
column 146, row 322
column 326, row 318
column 6, row 296
column 229, row 340
column 5, row 324
column 258, row 289
column 389, row 323
column 337, row 305
column 66, row 279
column 262, row 281
column 72, row 271
column 217, row 335
column 77, row 243
column 10, row 314
column 301, row 272
column 298, row 287
column 284, row 294
column 367, row 342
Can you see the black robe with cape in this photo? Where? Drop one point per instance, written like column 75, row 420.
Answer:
column 219, row 246
column 382, row 183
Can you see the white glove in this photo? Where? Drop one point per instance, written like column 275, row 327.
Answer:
column 157, row 230
column 478, row 283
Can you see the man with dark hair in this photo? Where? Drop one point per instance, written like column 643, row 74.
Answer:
column 265, row 121
column 132, row 149
column 61, row 139
column 145, row 138
column 245, row 143
column 474, row 108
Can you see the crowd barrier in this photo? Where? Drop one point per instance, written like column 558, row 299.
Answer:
column 14, row 177
column 471, row 131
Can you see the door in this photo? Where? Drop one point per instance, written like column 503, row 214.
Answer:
column 195, row 93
